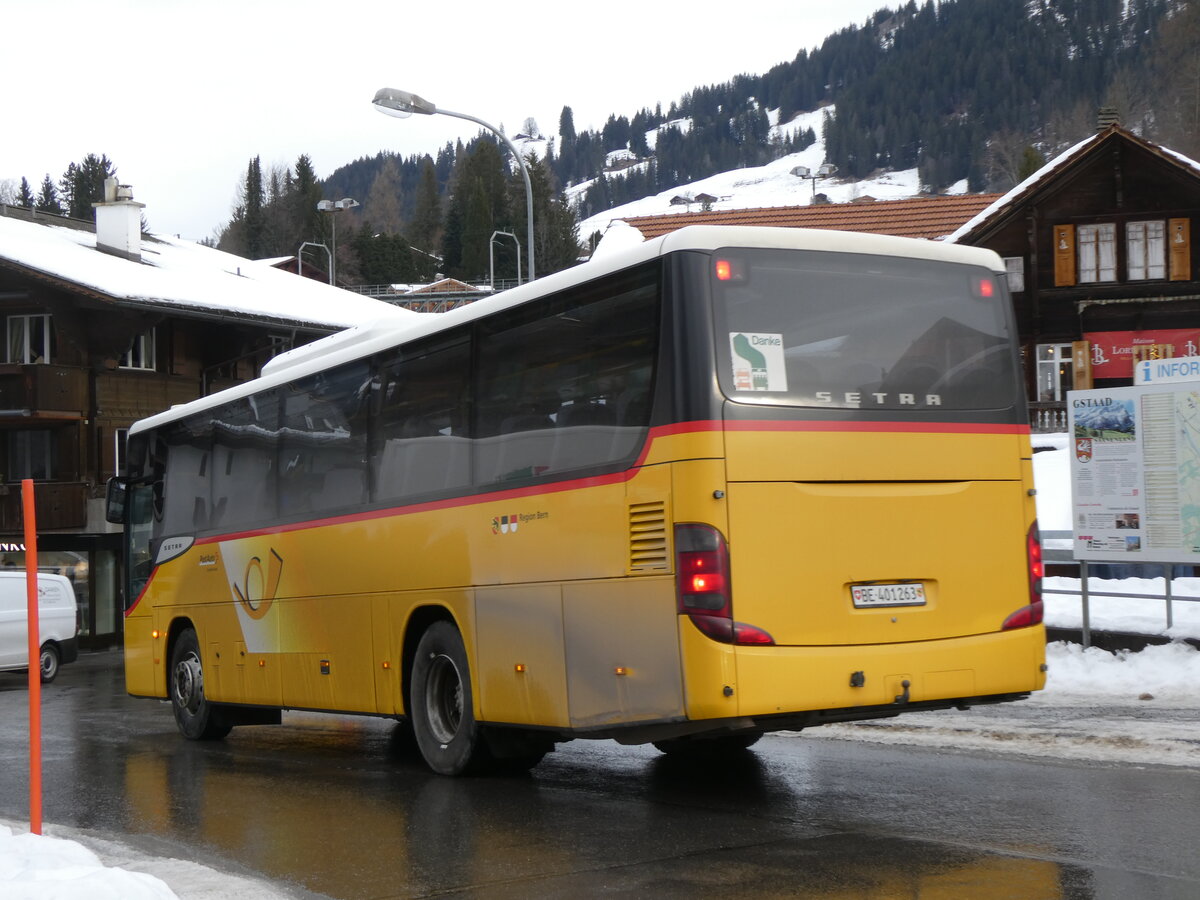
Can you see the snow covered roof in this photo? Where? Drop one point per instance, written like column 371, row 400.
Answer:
column 177, row 275
column 1055, row 167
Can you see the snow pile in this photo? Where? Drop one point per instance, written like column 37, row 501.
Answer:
column 36, row 867
column 1168, row 674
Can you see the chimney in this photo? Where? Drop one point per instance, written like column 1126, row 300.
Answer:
column 1107, row 116
column 119, row 222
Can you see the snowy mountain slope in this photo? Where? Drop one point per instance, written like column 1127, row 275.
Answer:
column 764, row 186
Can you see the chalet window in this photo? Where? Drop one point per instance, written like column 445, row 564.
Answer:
column 141, row 354
column 1054, row 372
column 29, row 339
column 1145, row 249
column 1015, row 266
column 30, row 455
column 1097, row 252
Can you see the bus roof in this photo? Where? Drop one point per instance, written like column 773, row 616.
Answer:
column 373, row 337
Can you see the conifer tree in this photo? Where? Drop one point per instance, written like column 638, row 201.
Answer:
column 426, row 226
column 25, row 196
column 47, row 199
column 83, row 184
column 254, row 222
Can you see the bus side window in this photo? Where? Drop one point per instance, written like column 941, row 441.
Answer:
column 420, row 442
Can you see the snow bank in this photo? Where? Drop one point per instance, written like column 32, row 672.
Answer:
column 37, row 867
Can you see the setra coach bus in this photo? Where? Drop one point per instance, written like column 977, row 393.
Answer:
column 729, row 481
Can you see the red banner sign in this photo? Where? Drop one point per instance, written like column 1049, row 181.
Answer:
column 1113, row 351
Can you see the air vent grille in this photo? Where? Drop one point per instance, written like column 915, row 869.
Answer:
column 648, row 537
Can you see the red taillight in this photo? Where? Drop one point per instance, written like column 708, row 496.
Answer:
column 1037, row 568
column 724, row 270
column 702, row 570
column 703, row 586
column 1033, row 613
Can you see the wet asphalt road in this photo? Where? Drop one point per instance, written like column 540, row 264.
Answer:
column 330, row 806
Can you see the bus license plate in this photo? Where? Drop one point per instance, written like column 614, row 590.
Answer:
column 906, row 593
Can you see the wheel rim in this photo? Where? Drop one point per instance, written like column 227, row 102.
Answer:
column 443, row 698
column 48, row 664
column 188, row 685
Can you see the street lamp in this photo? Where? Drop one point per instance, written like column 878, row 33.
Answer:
column 300, row 258
column 823, row 171
column 332, row 206
column 402, row 104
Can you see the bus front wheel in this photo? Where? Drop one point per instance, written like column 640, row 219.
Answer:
column 450, row 740
column 197, row 718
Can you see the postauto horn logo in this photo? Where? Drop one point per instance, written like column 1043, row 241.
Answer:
column 258, row 588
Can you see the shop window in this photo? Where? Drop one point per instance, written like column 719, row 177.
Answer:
column 1097, row 248
column 1054, row 372
column 140, row 355
column 1015, row 267
column 1145, row 250
column 30, row 339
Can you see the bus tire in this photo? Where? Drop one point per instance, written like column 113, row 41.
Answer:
column 450, row 740
column 48, row 662
column 723, row 745
column 197, row 718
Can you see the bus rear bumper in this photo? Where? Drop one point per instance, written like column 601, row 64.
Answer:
column 773, row 681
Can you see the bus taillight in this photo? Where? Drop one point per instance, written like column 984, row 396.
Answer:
column 703, row 586
column 1033, row 613
column 702, row 570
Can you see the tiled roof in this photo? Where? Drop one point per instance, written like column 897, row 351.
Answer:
column 920, row 217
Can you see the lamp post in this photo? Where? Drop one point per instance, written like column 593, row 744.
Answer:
column 300, row 258
column 492, row 257
column 333, row 206
column 402, row 104
column 823, row 171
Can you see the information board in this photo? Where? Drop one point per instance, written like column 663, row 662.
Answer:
column 1135, row 473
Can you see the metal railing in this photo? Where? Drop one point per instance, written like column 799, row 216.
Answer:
column 1064, row 556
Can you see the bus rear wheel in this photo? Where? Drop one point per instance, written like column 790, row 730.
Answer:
column 197, row 718
column 443, row 718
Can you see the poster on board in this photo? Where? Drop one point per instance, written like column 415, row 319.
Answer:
column 1135, row 473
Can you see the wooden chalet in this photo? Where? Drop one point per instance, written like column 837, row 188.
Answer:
column 1102, row 267
column 104, row 326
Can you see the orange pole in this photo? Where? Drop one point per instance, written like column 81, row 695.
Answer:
column 35, row 661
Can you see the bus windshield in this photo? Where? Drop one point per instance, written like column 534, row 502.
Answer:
column 854, row 331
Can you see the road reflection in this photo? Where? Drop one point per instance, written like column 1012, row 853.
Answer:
column 343, row 809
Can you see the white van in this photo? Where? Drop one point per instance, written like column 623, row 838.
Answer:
column 57, row 622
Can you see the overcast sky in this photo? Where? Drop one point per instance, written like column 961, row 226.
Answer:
column 181, row 95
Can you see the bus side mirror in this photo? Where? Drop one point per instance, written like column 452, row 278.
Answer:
column 114, row 501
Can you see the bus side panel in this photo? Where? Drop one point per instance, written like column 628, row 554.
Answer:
column 520, row 669
column 622, row 648
column 783, row 679
column 139, row 655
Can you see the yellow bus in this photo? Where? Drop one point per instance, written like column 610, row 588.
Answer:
column 729, row 481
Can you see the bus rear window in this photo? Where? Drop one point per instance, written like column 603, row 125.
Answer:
column 853, row 331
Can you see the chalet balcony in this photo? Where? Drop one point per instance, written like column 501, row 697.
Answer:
column 40, row 391
column 56, row 504
column 1048, row 417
